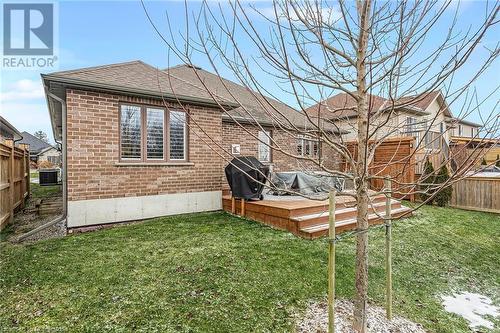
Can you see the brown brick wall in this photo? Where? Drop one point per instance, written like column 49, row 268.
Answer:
column 93, row 151
column 234, row 134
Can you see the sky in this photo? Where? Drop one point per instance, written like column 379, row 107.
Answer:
column 92, row 33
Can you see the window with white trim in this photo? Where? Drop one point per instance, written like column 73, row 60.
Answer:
column 264, row 148
column 460, row 130
column 152, row 134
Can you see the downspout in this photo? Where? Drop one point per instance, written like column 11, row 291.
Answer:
column 63, row 175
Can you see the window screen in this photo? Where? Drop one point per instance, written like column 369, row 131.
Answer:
column 177, row 135
column 155, row 130
column 130, row 128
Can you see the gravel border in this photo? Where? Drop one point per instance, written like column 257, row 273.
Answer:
column 315, row 320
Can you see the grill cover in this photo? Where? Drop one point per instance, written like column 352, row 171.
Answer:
column 243, row 186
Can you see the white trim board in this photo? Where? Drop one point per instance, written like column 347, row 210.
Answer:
column 112, row 210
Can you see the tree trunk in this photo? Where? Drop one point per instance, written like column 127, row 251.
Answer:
column 361, row 300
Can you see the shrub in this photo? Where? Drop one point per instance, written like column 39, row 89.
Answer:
column 497, row 163
column 443, row 197
column 483, row 162
column 428, row 177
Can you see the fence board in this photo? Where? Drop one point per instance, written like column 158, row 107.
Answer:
column 395, row 158
column 477, row 193
column 14, row 180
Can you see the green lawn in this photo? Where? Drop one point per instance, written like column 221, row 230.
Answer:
column 40, row 192
column 217, row 273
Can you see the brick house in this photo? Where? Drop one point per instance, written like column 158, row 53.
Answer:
column 139, row 142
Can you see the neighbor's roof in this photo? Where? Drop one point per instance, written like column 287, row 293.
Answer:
column 8, row 131
column 182, row 82
column 36, row 145
column 344, row 105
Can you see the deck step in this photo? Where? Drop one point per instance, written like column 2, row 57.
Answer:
column 341, row 211
column 323, row 228
column 323, row 207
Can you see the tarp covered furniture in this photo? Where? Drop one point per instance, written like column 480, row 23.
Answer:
column 246, row 176
column 305, row 183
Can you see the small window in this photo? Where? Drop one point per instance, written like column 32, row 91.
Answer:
column 441, row 127
column 410, row 124
column 177, row 135
column 307, row 147
column 460, row 130
column 130, row 129
column 472, row 132
column 155, row 129
column 264, row 149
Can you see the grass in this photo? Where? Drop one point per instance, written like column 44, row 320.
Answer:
column 40, row 192
column 217, row 273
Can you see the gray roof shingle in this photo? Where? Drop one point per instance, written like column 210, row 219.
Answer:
column 188, row 81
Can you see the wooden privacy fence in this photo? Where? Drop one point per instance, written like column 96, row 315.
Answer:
column 14, row 180
column 394, row 158
column 477, row 193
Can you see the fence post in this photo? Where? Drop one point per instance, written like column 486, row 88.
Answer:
column 12, row 191
column 331, row 262
column 388, row 248
column 23, row 182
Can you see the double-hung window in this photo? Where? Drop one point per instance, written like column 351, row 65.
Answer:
column 152, row 134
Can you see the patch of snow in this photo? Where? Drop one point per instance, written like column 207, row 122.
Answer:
column 472, row 307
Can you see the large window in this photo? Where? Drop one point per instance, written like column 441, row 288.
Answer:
column 264, row 146
column 144, row 131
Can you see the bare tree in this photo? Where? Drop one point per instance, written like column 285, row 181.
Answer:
column 309, row 51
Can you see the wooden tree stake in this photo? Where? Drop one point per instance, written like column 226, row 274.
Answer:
column 388, row 248
column 233, row 205
column 331, row 263
column 242, row 207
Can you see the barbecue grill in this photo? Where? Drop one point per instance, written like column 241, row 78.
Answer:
column 246, row 176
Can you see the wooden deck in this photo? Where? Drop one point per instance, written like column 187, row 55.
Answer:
column 309, row 218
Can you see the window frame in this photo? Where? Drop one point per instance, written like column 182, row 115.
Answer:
column 186, row 141
column 307, row 145
column 166, row 135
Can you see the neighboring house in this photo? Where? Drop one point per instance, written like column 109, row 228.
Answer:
column 412, row 115
column 8, row 132
column 138, row 142
column 40, row 150
column 426, row 117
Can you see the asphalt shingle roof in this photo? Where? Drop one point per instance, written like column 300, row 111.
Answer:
column 188, row 81
column 36, row 145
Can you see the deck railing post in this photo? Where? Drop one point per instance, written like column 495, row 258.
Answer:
column 331, row 262
column 242, row 207
column 388, row 247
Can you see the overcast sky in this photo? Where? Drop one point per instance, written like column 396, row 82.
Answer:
column 95, row 33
